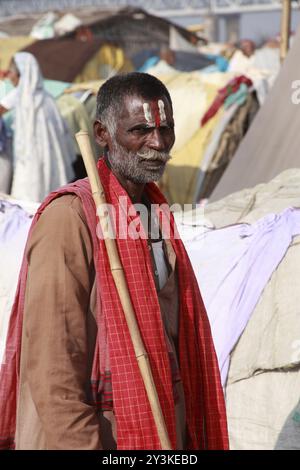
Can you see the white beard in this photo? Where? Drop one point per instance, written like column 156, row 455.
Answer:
column 133, row 166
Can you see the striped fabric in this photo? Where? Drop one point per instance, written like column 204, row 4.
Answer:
column 206, row 417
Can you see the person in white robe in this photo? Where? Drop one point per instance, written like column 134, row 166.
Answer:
column 42, row 147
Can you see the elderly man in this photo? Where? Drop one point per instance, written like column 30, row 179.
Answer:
column 78, row 385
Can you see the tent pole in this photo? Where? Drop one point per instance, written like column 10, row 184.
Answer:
column 285, row 28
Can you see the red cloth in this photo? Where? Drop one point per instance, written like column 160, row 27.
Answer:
column 205, row 408
column 223, row 93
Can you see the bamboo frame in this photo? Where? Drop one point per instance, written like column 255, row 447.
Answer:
column 120, row 282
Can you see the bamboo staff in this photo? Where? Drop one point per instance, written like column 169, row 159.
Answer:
column 120, row 282
column 285, row 29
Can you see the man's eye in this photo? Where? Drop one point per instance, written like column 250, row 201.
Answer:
column 140, row 131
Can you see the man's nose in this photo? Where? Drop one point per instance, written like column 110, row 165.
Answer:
column 156, row 140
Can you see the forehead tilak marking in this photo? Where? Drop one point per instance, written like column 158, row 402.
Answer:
column 162, row 113
column 158, row 109
column 147, row 112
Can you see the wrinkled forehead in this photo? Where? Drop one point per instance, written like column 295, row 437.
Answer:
column 147, row 110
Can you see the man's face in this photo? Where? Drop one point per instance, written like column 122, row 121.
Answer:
column 247, row 47
column 143, row 139
column 13, row 74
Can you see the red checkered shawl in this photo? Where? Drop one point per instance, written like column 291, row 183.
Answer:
column 205, row 409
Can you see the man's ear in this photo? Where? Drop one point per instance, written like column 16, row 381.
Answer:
column 101, row 134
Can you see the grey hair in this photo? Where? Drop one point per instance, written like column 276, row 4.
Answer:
column 108, row 119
